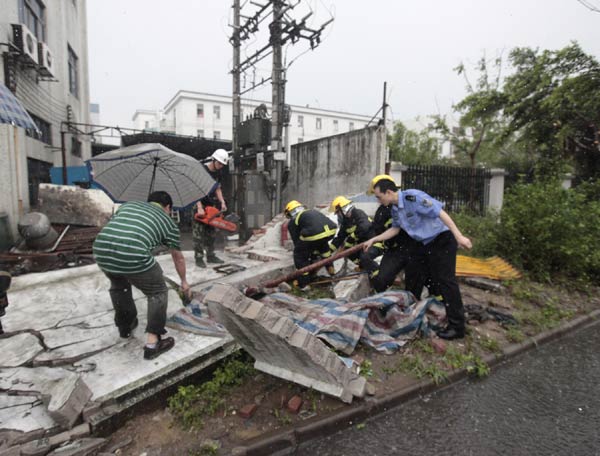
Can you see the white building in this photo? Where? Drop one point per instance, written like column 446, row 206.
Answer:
column 210, row 116
column 43, row 47
column 421, row 123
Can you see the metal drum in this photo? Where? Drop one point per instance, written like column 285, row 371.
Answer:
column 37, row 231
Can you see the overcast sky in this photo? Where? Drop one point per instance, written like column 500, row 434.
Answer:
column 142, row 51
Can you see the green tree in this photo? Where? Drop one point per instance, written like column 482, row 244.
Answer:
column 413, row 148
column 552, row 104
column 480, row 116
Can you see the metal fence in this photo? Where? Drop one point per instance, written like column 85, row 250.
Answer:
column 459, row 188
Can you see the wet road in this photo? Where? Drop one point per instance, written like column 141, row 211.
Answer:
column 546, row 402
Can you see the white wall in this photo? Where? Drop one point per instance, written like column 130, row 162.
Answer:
column 66, row 25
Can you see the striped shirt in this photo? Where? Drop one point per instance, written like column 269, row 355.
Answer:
column 125, row 244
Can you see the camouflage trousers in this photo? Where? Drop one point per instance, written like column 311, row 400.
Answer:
column 204, row 239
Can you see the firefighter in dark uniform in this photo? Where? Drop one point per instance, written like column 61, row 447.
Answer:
column 311, row 231
column 433, row 254
column 203, row 234
column 355, row 227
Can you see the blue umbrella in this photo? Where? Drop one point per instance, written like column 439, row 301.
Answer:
column 12, row 111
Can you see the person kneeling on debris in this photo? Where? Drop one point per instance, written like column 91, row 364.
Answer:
column 433, row 254
column 311, row 232
column 355, row 227
column 123, row 251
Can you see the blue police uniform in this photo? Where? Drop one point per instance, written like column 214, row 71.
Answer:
column 433, row 255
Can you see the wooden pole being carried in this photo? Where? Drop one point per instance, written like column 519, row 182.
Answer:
column 313, row 267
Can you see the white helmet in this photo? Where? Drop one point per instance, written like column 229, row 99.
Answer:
column 221, row 156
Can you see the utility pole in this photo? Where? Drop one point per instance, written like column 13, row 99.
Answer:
column 278, row 84
column 236, row 102
column 384, row 107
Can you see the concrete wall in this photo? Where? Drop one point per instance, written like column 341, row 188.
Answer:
column 50, row 100
column 337, row 165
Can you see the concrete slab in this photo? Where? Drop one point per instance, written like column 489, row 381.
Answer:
column 19, row 349
column 280, row 347
column 352, row 290
column 70, row 205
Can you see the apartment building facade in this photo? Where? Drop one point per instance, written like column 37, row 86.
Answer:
column 210, row 116
column 43, row 47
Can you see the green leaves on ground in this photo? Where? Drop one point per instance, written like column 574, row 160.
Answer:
column 192, row 403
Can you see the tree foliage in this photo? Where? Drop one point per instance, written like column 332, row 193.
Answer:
column 413, row 148
column 552, row 104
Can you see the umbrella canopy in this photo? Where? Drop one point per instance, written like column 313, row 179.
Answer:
column 132, row 173
column 12, row 111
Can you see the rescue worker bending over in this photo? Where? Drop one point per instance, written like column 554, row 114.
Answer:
column 311, row 231
column 355, row 227
column 395, row 250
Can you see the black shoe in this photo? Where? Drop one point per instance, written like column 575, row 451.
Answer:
column 214, row 259
column 451, row 333
column 125, row 333
column 200, row 263
column 162, row 346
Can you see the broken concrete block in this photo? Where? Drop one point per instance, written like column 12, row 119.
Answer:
column 70, row 205
column 19, row 350
column 248, row 410
column 485, row 284
column 353, row 290
column 280, row 347
column 81, row 447
column 68, row 399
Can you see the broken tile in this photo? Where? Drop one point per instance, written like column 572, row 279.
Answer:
column 247, row 411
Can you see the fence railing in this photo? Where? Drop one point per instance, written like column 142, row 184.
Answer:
column 459, row 188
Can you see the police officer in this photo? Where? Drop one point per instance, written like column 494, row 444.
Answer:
column 434, row 252
column 203, row 234
column 311, row 231
column 355, row 227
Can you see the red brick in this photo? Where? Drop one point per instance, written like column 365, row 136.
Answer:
column 248, row 410
column 294, row 404
column 438, row 345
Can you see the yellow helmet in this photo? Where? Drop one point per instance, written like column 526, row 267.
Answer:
column 289, row 207
column 338, row 203
column 376, row 179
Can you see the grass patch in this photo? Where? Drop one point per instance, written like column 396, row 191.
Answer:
column 192, row 403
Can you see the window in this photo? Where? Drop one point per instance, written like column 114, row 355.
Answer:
column 75, row 147
column 33, row 15
column 73, row 72
column 217, row 111
column 318, row 123
column 300, row 140
column 351, row 126
column 199, row 110
column 44, row 127
column 335, row 126
column 200, row 133
column 146, row 125
column 301, row 121
column 216, row 134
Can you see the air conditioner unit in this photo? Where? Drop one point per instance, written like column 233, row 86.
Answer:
column 46, row 60
column 26, row 42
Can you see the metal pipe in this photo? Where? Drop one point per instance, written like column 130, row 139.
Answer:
column 313, row 267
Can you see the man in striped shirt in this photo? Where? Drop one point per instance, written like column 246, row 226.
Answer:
column 123, row 251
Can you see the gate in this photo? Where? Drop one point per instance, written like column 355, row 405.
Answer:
column 459, row 188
